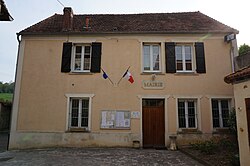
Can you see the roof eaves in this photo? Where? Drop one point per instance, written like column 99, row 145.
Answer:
column 238, row 76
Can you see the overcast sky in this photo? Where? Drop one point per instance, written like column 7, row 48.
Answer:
column 28, row 12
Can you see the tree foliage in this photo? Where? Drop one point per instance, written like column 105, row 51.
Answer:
column 6, row 87
column 243, row 49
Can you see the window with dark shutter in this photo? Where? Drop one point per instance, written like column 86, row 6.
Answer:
column 170, row 57
column 66, row 57
column 96, row 58
column 200, row 57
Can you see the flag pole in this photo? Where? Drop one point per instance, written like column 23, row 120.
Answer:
column 108, row 77
column 123, row 76
column 111, row 81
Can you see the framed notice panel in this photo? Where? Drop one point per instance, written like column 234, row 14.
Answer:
column 115, row 119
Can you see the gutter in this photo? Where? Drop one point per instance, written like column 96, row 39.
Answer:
column 124, row 33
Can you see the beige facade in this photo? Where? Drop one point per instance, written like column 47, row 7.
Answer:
column 42, row 95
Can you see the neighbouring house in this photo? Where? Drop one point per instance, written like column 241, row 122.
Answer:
column 173, row 86
column 241, row 82
column 4, row 13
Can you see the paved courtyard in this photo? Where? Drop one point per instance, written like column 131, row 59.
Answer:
column 95, row 157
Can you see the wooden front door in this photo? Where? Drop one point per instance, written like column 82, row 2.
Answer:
column 247, row 101
column 153, row 123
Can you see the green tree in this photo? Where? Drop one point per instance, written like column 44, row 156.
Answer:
column 243, row 49
column 6, row 87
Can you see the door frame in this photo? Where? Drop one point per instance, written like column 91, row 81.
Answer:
column 165, row 97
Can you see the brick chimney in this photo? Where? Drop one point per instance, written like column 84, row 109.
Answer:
column 67, row 19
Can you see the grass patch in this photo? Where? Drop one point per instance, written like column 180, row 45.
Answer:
column 6, row 97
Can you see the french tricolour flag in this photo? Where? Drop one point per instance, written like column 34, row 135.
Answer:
column 128, row 76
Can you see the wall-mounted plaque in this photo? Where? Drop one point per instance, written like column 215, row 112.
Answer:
column 149, row 84
column 135, row 115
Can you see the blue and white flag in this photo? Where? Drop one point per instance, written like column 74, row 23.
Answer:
column 104, row 75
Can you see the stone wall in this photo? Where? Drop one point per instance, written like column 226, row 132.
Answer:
column 242, row 61
column 5, row 113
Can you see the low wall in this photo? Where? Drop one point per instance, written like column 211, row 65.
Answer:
column 26, row 140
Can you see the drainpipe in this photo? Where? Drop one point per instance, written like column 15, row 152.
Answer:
column 234, row 53
column 233, row 48
column 18, row 50
column 13, row 99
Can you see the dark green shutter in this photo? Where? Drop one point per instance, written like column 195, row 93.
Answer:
column 96, row 57
column 66, row 57
column 200, row 57
column 170, row 57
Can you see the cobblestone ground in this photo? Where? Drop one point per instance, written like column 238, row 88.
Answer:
column 95, row 157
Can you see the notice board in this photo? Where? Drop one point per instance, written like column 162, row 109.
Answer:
column 115, row 119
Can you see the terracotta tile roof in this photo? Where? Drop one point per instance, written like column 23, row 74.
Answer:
column 187, row 22
column 240, row 75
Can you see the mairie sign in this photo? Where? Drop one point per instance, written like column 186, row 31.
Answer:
column 148, row 84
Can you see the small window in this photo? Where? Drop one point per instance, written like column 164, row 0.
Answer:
column 151, row 57
column 187, row 113
column 79, row 113
column 81, row 58
column 184, row 57
column 220, row 112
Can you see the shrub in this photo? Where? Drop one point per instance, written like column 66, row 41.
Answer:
column 207, row 147
column 232, row 124
column 235, row 160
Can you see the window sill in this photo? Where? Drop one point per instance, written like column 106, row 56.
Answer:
column 152, row 72
column 78, row 130
column 80, row 73
column 193, row 73
column 189, row 131
column 221, row 131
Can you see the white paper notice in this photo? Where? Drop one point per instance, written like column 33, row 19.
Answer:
column 127, row 123
column 104, row 115
column 112, row 116
column 120, row 119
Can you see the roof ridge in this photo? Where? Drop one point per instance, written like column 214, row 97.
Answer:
column 122, row 14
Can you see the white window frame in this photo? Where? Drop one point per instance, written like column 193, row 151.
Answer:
column 82, row 57
column 151, row 57
column 186, row 113
column 220, row 111
column 78, row 96
column 183, row 58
